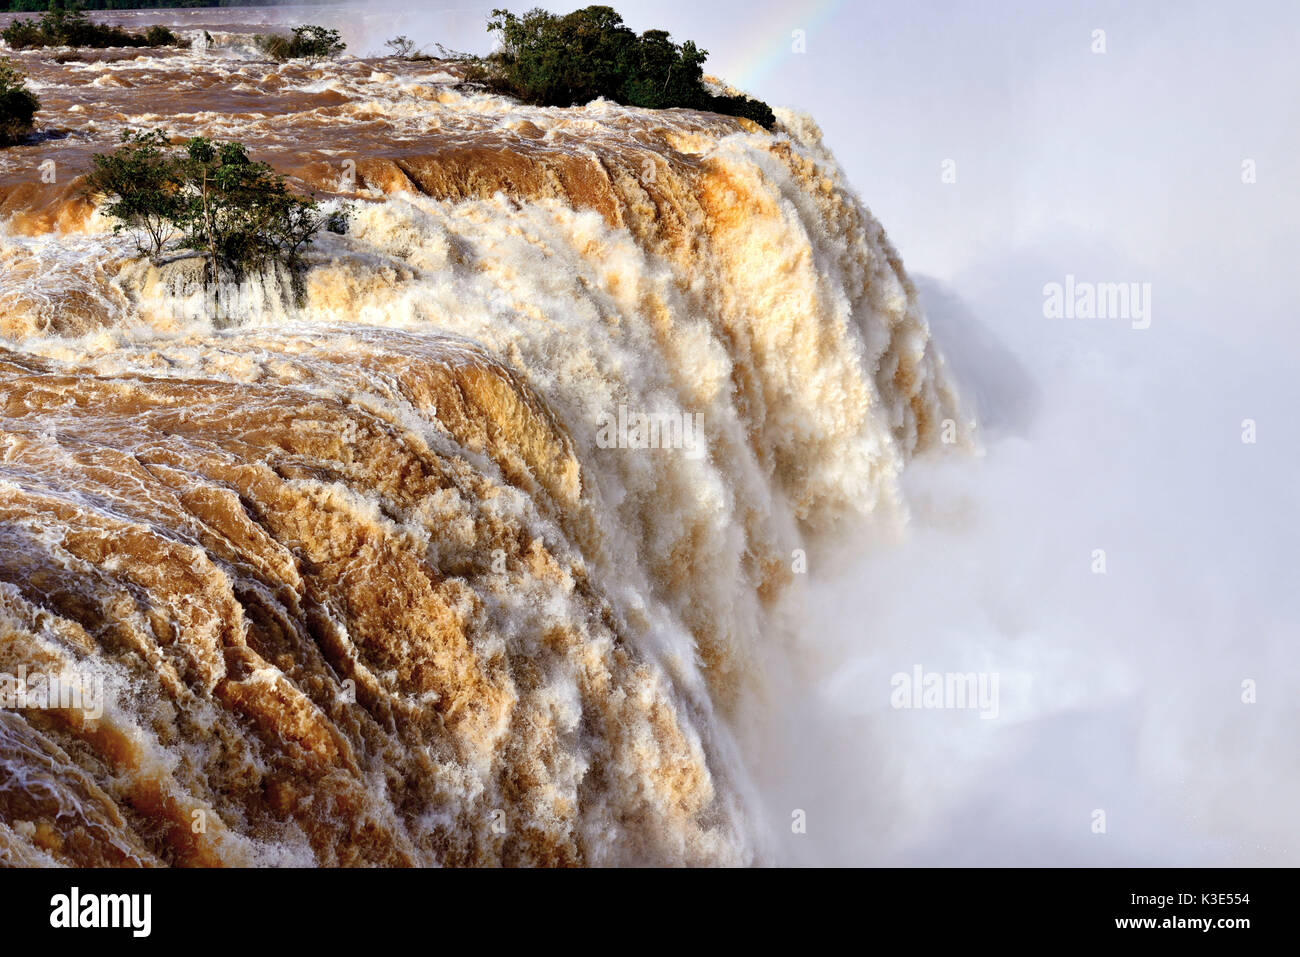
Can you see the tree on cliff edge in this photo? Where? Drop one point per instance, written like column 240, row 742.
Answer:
column 570, row 60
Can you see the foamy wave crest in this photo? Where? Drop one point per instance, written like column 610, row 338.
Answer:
column 391, row 576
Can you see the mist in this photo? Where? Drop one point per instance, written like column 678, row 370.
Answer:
column 1170, row 448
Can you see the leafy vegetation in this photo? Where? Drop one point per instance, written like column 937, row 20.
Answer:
column 70, row 27
column 308, row 42
column 404, row 48
column 210, row 197
column 18, row 105
column 570, row 60
column 144, row 179
column 160, row 36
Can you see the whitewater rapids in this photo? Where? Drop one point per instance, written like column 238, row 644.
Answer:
column 359, row 580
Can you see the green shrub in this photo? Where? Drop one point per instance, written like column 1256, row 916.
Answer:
column 70, row 27
column 748, row 107
column 145, row 180
column 159, row 36
column 18, row 105
column 308, row 42
column 404, row 48
column 210, row 197
column 570, row 60
column 274, row 45
column 23, row 35
column 316, row 43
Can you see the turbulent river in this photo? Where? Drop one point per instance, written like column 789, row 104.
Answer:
column 365, row 580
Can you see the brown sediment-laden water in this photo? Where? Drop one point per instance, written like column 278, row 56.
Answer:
column 364, row 579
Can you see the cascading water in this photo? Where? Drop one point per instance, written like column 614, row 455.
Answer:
column 358, row 580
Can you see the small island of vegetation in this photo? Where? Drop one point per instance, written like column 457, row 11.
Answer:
column 211, row 198
column 18, row 105
column 309, row 42
column 546, row 59
column 64, row 26
column 551, row 60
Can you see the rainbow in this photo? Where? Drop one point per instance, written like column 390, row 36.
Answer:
column 770, row 43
